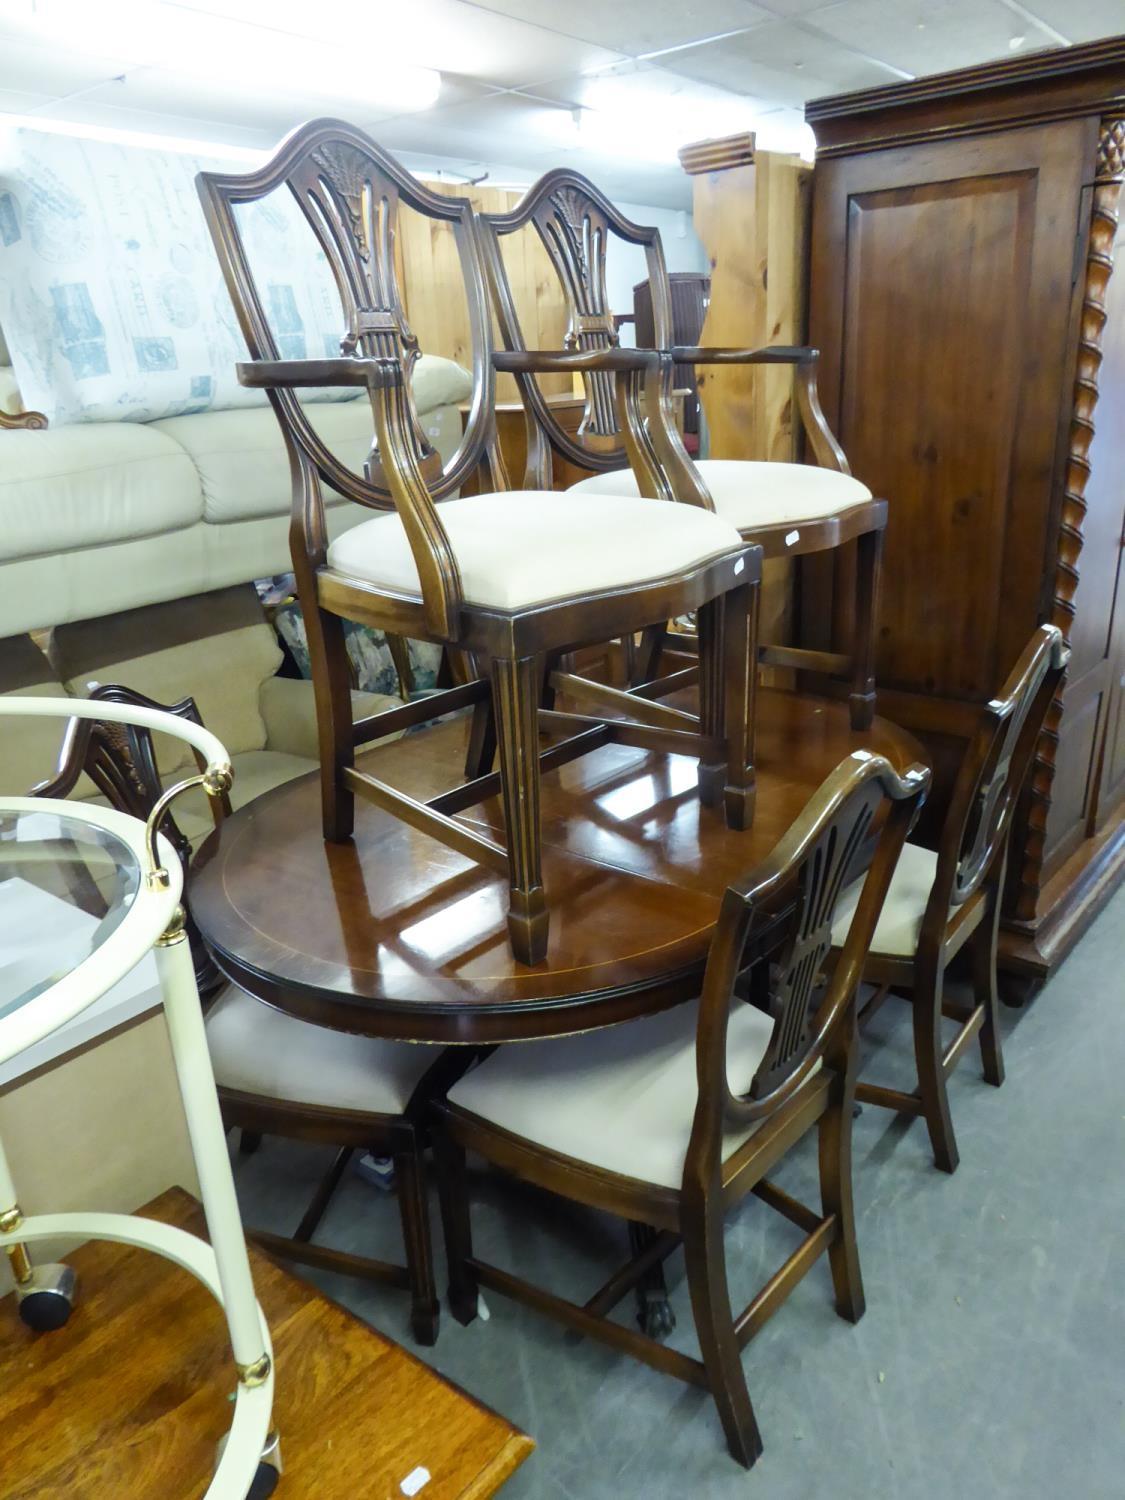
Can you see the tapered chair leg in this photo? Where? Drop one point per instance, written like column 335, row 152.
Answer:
column 835, row 1153
column 705, row 1259
column 410, row 1181
column 646, row 659
column 985, row 990
column 456, row 1226
column 516, row 686
column 709, row 625
column 929, row 980
column 861, row 699
column 328, row 659
column 740, row 677
column 481, row 750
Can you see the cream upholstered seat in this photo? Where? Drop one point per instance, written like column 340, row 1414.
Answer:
column 258, row 1050
column 901, row 918
column 527, row 547
column 277, row 1075
column 751, row 494
column 622, row 1100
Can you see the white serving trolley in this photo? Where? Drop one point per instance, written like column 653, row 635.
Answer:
column 130, row 875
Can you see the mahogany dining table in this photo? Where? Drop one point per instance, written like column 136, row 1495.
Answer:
column 396, row 935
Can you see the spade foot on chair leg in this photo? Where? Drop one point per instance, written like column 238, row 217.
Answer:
column 527, row 925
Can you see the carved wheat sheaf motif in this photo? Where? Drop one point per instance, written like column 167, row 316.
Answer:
column 801, row 968
column 344, row 168
column 1109, row 175
column 572, row 212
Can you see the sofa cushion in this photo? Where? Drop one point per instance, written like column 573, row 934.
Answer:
column 255, row 773
column 240, row 458
column 216, row 647
column 111, row 294
column 439, row 382
column 240, row 455
column 30, row 746
column 10, row 399
column 85, row 486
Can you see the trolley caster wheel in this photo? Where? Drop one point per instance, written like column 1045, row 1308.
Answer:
column 264, row 1483
column 268, row 1473
column 46, row 1301
column 655, row 1318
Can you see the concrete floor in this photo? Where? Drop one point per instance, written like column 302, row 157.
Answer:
column 990, row 1362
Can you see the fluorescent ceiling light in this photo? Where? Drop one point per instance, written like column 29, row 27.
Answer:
column 150, row 140
column 237, row 44
column 655, row 131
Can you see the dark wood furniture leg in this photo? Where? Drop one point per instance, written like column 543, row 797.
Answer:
column 328, row 658
column 984, row 944
column 456, row 1225
column 869, row 558
column 709, row 630
column 654, row 1311
column 740, row 667
column 516, row 686
column 705, row 1257
column 410, row 1181
column 834, row 1147
column 929, row 983
column 481, row 752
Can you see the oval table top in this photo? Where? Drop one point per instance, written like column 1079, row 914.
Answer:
column 396, row 935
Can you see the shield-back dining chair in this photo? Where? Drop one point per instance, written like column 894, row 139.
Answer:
column 671, row 1120
column 277, row 1075
column 507, row 576
column 788, row 509
column 940, row 902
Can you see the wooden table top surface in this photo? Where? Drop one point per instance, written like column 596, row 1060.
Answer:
column 128, row 1400
column 397, row 935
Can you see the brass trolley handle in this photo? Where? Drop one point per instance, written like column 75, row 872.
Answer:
column 216, row 781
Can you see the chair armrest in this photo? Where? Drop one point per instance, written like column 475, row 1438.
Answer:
column 288, row 710
column 769, row 354
column 822, row 440
column 530, row 361
column 294, row 374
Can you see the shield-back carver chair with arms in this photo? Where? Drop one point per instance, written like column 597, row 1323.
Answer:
column 671, row 1120
column 942, row 902
column 788, row 509
column 508, row 577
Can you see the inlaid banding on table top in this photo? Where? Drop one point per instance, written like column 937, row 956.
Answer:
column 635, row 865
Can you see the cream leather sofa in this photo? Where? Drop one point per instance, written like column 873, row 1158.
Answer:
column 217, row 647
column 97, row 517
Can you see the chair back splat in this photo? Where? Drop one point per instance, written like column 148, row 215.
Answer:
column 575, row 222
column 350, row 192
column 776, row 927
column 995, row 767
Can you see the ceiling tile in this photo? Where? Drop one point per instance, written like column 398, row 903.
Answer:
column 41, row 69
column 636, row 26
column 1080, row 20
column 928, row 36
column 646, row 87
column 783, row 63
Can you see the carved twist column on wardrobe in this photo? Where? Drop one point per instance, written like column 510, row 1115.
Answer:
column 1104, row 216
